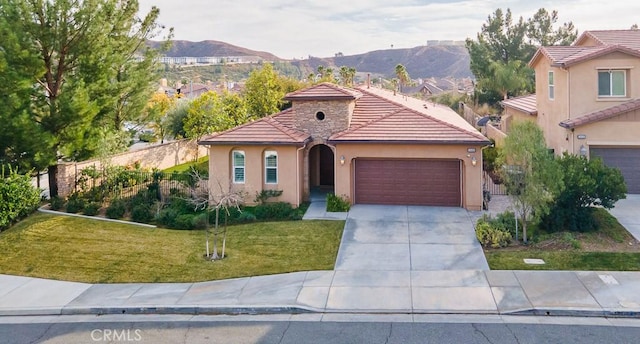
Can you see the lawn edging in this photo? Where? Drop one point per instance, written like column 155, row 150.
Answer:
column 53, row 212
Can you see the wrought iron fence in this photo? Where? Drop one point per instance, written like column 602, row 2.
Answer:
column 122, row 183
column 490, row 185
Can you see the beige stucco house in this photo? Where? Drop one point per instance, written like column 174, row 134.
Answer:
column 588, row 98
column 518, row 109
column 366, row 144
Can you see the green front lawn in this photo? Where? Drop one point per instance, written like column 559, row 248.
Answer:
column 564, row 260
column 93, row 251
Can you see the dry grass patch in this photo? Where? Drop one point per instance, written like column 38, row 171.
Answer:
column 92, row 251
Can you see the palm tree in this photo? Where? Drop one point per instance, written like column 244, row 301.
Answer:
column 347, row 75
column 402, row 76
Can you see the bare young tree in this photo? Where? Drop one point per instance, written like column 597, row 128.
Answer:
column 206, row 198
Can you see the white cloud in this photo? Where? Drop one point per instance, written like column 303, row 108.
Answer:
column 294, row 29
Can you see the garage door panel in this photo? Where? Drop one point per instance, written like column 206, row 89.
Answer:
column 625, row 159
column 411, row 182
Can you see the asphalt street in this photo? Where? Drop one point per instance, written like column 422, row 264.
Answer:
column 337, row 328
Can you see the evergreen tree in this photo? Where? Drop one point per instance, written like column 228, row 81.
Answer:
column 90, row 65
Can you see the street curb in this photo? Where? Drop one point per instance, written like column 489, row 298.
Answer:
column 564, row 312
column 265, row 310
column 190, row 310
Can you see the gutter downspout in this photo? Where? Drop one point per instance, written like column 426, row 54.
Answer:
column 298, row 198
column 572, row 141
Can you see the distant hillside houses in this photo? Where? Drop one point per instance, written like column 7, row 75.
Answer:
column 207, row 60
column 431, row 43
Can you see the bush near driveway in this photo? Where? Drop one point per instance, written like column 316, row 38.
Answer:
column 587, row 183
column 611, row 247
column 93, row 251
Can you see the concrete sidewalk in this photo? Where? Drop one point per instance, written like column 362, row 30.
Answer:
column 612, row 294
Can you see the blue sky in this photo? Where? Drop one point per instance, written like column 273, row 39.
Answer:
column 299, row 28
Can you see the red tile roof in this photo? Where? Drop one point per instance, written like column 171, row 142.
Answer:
column 383, row 117
column 268, row 130
column 523, row 103
column 600, row 115
column 323, row 91
column 625, row 41
column 625, row 38
column 378, row 116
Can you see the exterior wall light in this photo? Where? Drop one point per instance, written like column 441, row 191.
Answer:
column 474, row 161
column 342, row 160
column 583, row 150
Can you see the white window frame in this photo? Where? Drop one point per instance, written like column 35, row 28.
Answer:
column 242, row 167
column 267, row 168
column 552, row 87
column 624, row 84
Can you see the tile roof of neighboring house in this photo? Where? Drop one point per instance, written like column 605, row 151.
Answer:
column 406, row 119
column 625, row 41
column 523, row 103
column 378, row 116
column 267, row 130
column 431, row 89
column 601, row 114
column 626, row 38
column 323, row 91
column 565, row 56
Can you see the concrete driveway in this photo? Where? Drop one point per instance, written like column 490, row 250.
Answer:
column 626, row 211
column 409, row 238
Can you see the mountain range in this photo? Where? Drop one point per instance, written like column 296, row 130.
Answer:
column 420, row 62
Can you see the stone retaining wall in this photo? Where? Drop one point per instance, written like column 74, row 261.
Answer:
column 158, row 156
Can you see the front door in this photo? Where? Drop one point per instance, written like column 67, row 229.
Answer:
column 326, row 166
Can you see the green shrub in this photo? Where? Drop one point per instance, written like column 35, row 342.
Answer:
column 144, row 197
column 263, row 196
column 57, row 203
column 142, row 213
column 200, row 221
column 337, row 203
column 18, row 197
column 587, row 183
column 273, row 211
column 246, row 216
column 489, row 236
column 91, row 208
column 569, row 238
column 167, row 217
column 75, row 204
column 184, row 221
column 116, row 209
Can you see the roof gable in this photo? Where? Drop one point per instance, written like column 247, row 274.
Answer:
column 324, row 91
column 600, row 115
column 627, row 38
column 267, row 130
column 606, row 42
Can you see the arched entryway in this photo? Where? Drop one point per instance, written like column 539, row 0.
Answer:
column 321, row 168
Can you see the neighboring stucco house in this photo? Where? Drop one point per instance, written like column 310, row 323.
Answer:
column 365, row 144
column 518, row 109
column 588, row 98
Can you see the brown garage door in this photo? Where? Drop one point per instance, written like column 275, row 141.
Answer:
column 410, row 182
column 627, row 160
